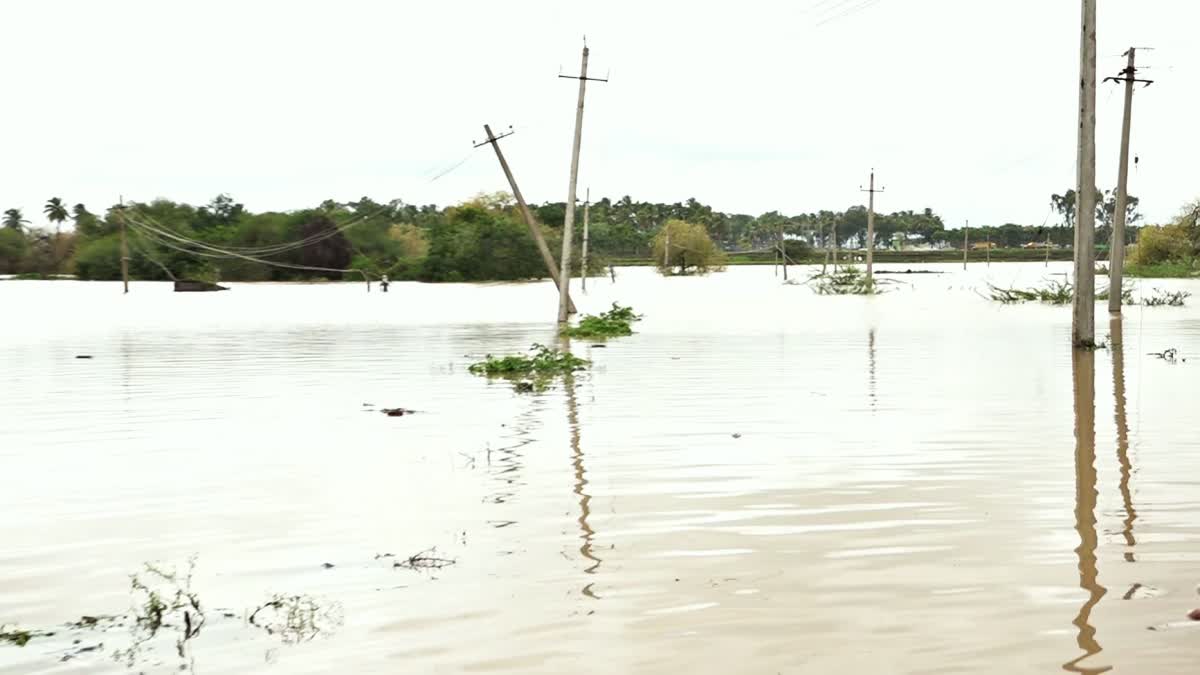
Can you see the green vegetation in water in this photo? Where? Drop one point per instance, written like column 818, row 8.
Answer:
column 530, row 373
column 616, row 322
column 1163, row 298
column 849, row 281
column 15, row 636
column 1052, row 293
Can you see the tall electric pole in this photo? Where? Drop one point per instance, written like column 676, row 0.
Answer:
column 547, row 256
column 569, row 221
column 1116, row 259
column 871, row 227
column 966, row 232
column 587, row 207
column 1083, row 319
column 124, row 245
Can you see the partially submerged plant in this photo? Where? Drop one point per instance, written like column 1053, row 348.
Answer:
column 1053, row 292
column 849, row 281
column 1162, row 298
column 533, row 372
column 295, row 618
column 166, row 600
column 616, row 322
column 16, row 636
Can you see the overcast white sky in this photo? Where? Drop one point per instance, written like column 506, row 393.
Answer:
column 965, row 106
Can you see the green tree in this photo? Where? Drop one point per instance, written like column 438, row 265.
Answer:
column 690, row 249
column 56, row 212
column 14, row 219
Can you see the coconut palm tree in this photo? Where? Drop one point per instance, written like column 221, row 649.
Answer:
column 56, row 212
column 13, row 219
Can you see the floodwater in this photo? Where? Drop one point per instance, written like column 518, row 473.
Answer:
column 761, row 480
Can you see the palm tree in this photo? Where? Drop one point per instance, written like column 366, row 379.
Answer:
column 13, row 219
column 56, row 212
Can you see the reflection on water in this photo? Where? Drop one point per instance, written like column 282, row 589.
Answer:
column 871, row 366
column 1083, row 370
column 587, row 534
column 1117, row 347
column 763, row 497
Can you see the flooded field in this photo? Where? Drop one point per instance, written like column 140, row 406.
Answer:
column 761, row 480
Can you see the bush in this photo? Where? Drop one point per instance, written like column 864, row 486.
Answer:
column 691, row 250
column 99, row 259
column 614, row 323
column 1156, row 245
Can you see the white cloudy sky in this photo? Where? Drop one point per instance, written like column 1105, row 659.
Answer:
column 964, row 106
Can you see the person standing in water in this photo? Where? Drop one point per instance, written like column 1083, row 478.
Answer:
column 383, row 283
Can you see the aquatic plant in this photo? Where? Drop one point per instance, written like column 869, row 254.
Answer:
column 296, row 618
column 616, row 322
column 1053, row 292
column 849, row 281
column 16, row 636
column 543, row 361
column 1162, row 298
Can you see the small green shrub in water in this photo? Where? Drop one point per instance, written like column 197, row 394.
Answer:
column 530, row 373
column 616, row 322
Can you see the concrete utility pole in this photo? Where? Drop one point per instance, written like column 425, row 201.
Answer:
column 1083, row 318
column 124, row 245
column 569, row 221
column 871, row 227
column 835, row 247
column 587, row 207
column 966, row 231
column 783, row 252
column 1116, row 258
column 547, row 256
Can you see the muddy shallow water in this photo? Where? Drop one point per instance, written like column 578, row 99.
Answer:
column 760, row 480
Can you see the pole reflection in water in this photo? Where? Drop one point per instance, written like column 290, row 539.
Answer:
column 1083, row 368
column 871, row 367
column 1116, row 340
column 585, row 511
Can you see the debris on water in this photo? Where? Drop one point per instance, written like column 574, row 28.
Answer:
column 737, row 435
column 328, row 566
column 523, row 387
column 397, row 412
column 83, row 356
column 384, row 555
column 1194, row 615
column 599, row 346
column 425, row 560
column 296, row 618
column 1167, row 355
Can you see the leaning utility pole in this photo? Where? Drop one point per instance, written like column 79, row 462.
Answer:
column 1116, row 259
column 124, row 245
column 569, row 221
column 547, row 256
column 871, row 227
column 1083, row 320
column 587, row 207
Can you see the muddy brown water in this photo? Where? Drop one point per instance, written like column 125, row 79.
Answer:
column 760, row 480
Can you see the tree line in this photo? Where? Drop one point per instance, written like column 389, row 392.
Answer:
column 482, row 239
